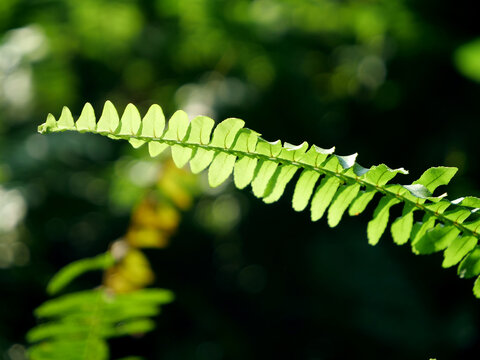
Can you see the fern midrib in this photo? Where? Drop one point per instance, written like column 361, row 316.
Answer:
column 94, row 326
column 346, row 178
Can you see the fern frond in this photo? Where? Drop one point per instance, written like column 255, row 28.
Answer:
column 327, row 182
column 77, row 325
column 73, row 270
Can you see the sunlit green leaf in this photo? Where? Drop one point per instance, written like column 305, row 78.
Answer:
column 402, row 226
column 323, row 196
column 436, row 239
column 221, row 168
column 153, row 123
column 109, row 120
column 130, row 121
column 226, row 131
column 278, row 182
column 304, row 189
column 470, row 266
column 359, row 204
column 263, row 173
column 86, row 121
column 436, row 176
column 244, row 171
column 382, row 174
column 377, row 225
column 340, row 203
column 456, row 251
column 66, row 119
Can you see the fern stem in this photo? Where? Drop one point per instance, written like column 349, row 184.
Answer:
column 346, row 178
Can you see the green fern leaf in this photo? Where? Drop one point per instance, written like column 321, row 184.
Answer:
column 436, row 239
column 130, row 122
column 226, row 132
column 221, row 168
column 246, row 142
column 457, row 250
column 86, row 121
column 284, row 173
column 316, row 156
column 201, row 160
column 323, row 196
column 469, row 201
column 244, row 171
column 470, row 266
column 420, row 229
column 458, row 215
column 435, row 177
column 269, row 167
column 378, row 224
column 278, row 182
column 152, row 126
column 265, row 168
column 262, row 175
column 402, row 226
column 360, row 203
column 382, row 174
column 177, row 129
column 473, row 226
column 294, row 152
column 77, row 268
column 66, row 119
column 476, row 288
column 304, row 189
column 340, row 203
column 223, row 163
column 109, row 120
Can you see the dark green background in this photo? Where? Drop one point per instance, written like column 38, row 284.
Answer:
column 373, row 77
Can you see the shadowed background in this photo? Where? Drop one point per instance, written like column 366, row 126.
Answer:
column 394, row 80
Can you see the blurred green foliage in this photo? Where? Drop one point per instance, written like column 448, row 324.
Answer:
column 77, row 325
column 467, row 58
column 362, row 75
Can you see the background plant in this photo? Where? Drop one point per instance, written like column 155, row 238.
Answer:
column 78, row 325
column 339, row 80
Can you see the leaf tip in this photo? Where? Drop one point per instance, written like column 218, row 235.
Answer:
column 49, row 125
column 324, row 151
